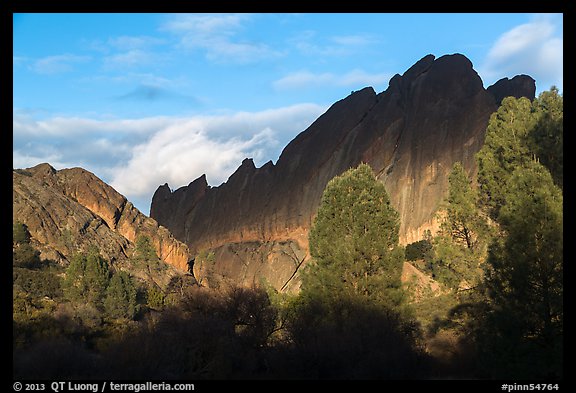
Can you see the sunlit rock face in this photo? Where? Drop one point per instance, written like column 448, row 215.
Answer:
column 432, row 116
column 69, row 209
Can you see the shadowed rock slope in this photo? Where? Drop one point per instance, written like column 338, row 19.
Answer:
column 254, row 227
column 69, row 209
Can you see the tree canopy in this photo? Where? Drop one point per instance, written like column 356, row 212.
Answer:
column 520, row 328
column 353, row 241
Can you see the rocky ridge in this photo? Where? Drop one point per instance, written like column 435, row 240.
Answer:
column 432, row 116
column 69, row 209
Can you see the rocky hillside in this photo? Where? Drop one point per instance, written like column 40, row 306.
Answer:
column 254, row 227
column 69, row 209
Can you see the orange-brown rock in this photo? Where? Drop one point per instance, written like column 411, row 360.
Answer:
column 69, row 209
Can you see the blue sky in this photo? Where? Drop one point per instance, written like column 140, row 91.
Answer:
column 146, row 99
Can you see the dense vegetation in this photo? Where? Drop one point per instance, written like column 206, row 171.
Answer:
column 504, row 242
column 497, row 259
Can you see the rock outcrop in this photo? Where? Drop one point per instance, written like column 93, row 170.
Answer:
column 519, row 86
column 70, row 209
column 432, row 116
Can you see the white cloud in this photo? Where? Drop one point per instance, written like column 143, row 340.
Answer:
column 18, row 60
column 134, row 42
column 355, row 40
column 309, row 43
column 225, row 24
column 136, row 156
column 131, row 58
column 25, row 126
column 137, row 78
column 58, row 64
column 217, row 35
column 211, row 145
column 533, row 48
column 22, row 159
column 305, row 79
column 129, row 51
column 176, row 153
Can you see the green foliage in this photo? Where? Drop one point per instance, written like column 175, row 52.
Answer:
column 36, row 294
column 546, row 139
column 210, row 335
column 73, row 283
column 525, row 282
column 519, row 132
column 25, row 255
column 421, row 249
column 145, row 256
column 144, row 249
column 177, row 289
column 67, row 239
column 38, row 283
column 454, row 264
column 460, row 246
column 96, row 276
column 431, row 311
column 120, row 301
column 20, row 233
column 229, row 334
column 505, row 147
column 353, row 242
column 463, row 222
column 155, row 297
column 86, row 278
column 516, row 319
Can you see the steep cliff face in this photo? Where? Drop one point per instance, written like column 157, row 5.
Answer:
column 433, row 115
column 69, row 209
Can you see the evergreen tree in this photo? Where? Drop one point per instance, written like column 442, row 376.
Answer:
column 155, row 297
column 145, row 256
column 96, row 275
column 120, row 301
column 525, row 280
column 460, row 245
column 86, row 278
column 547, row 136
column 74, row 284
column 463, row 222
column 505, row 148
column 23, row 253
column 518, row 327
column 354, row 242
column 20, row 233
column 518, row 133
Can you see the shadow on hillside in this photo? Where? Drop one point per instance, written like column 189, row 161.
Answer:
column 237, row 335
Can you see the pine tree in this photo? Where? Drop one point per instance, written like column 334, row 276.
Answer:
column 353, row 241
column 86, row 278
column 547, row 136
column 74, row 284
column 145, row 257
column 463, row 222
column 120, row 301
column 518, row 133
column 519, row 328
column 505, row 148
column 525, row 280
column 460, row 245
column 97, row 276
